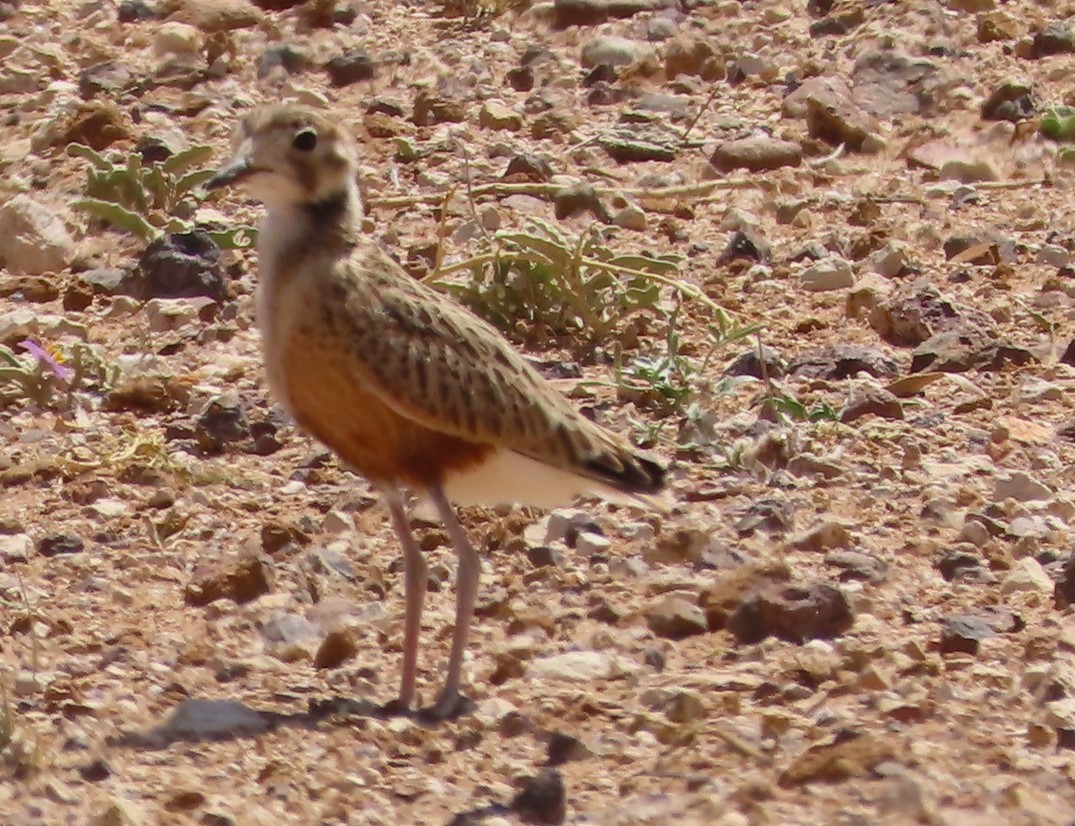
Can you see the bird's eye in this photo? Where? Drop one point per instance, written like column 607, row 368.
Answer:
column 305, row 141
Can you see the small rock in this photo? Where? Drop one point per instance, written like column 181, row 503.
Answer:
column 1056, row 38
column 631, row 217
column 1021, row 487
column 497, row 116
column 174, row 38
column 108, row 77
column 565, row 748
column 350, row 67
column 15, row 548
column 756, row 154
column 336, row 648
column 833, row 273
column 289, row 637
column 223, row 422
column 181, row 265
column 240, row 578
column 34, row 240
column 857, row 566
column 170, row 314
column 431, row 108
column 543, row 799
column 576, row 198
column 573, row 666
column 690, row 54
column 1012, row 101
column 135, row 11
column 529, row 168
column 769, row 515
column 59, row 544
column 676, row 618
column 837, row 119
column 874, row 401
column 196, row 719
column 750, row 363
column 792, row 612
column 963, row 633
column 852, row 754
column 292, row 60
column 1064, row 594
column 823, row 536
column 609, row 50
column 1027, row 575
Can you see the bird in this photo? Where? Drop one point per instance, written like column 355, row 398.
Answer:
column 406, row 385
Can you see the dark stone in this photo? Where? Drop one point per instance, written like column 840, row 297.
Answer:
column 294, row 61
column 135, row 11
column 602, row 73
column 350, row 67
column 60, row 544
column 792, row 612
column 564, row 748
column 521, row 78
column 95, row 771
column 963, row 633
column 872, row 402
column 966, row 348
column 749, row 363
column 529, row 167
column 541, row 556
column 1064, row 593
column 841, row 361
column 543, row 799
column 1012, row 101
column 960, row 565
column 1056, row 38
column 746, row 243
column 222, row 422
column 181, row 265
column 579, row 197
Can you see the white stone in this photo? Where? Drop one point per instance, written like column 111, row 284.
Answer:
column 609, row 50
column 1021, row 487
column 592, row 543
column 828, row 274
column 574, row 666
column 15, row 547
column 167, row 314
column 176, row 38
column 1027, row 575
column 34, row 238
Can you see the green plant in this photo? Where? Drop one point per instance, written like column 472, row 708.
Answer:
column 50, row 376
column 149, row 200
column 1058, row 124
column 571, row 285
column 787, row 407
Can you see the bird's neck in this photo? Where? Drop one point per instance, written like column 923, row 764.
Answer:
column 329, row 225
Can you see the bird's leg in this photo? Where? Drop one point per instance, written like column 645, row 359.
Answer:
column 450, row 701
column 414, row 583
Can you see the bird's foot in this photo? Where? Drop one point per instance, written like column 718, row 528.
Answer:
column 397, row 708
column 449, row 706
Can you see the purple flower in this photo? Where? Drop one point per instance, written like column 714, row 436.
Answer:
column 43, row 356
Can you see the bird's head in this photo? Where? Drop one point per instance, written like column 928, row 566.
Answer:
column 288, row 155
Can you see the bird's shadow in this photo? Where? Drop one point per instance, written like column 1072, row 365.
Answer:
column 197, row 719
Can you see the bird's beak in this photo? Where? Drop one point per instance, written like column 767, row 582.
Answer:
column 233, row 171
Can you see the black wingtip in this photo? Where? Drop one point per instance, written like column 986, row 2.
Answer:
column 634, row 474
